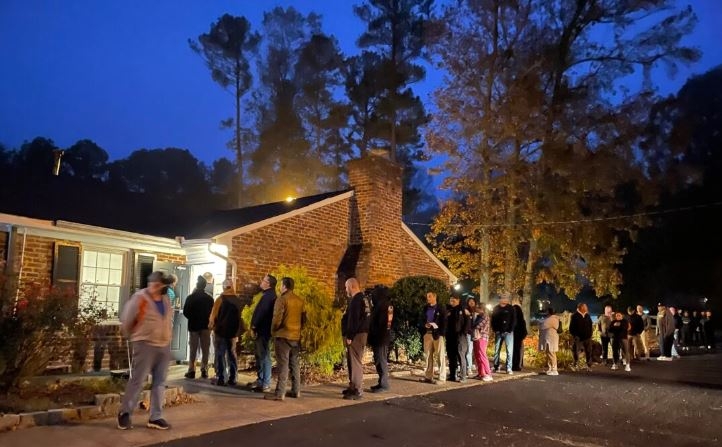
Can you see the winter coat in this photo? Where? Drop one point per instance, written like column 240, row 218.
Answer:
column 380, row 325
column 263, row 313
column 357, row 318
column 197, row 309
column 503, row 319
column 665, row 324
column 548, row 335
column 520, row 327
column 603, row 325
column 457, row 323
column 225, row 317
column 580, row 326
column 288, row 316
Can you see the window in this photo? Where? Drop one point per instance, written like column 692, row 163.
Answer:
column 101, row 279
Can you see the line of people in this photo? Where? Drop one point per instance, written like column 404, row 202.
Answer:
column 461, row 332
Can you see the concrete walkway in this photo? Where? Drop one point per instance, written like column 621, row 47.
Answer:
column 221, row 408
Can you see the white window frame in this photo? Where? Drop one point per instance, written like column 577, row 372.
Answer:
column 85, row 285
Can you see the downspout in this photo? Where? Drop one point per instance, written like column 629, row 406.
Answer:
column 234, row 265
column 20, row 271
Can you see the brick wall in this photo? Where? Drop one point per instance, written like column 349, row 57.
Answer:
column 4, row 236
column 315, row 240
column 318, row 239
column 167, row 257
column 388, row 253
column 37, row 261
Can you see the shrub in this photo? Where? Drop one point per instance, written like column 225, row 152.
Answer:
column 408, row 297
column 45, row 324
column 321, row 342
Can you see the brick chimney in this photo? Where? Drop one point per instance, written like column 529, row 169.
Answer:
column 377, row 184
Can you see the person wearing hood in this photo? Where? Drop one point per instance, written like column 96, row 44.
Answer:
column 226, row 324
column 147, row 320
column 197, row 309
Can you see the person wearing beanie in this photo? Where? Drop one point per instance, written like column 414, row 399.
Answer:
column 147, row 320
column 197, row 309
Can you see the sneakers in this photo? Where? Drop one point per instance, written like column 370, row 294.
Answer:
column 661, row 358
column 204, row 374
column 158, row 424
column 379, row 389
column 487, row 379
column 552, row 373
column 220, row 382
column 261, row 389
column 510, row 372
column 273, row 396
column 627, row 368
column 124, row 421
column 190, row 375
column 614, row 367
column 427, row 380
column 347, row 391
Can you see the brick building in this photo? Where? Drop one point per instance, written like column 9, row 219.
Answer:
column 355, row 232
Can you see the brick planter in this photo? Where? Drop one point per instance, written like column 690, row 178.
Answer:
column 106, row 405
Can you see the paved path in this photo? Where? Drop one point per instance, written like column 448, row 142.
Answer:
column 658, row 403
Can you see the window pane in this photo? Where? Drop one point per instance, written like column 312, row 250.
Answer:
column 103, row 260
column 102, row 293
column 113, row 295
column 88, row 274
column 114, row 277
column 116, row 261
column 102, row 276
column 89, row 258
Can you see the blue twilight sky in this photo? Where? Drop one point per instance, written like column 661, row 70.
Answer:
column 121, row 72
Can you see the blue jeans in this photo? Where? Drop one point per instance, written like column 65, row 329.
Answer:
column 508, row 339
column 263, row 360
column 226, row 357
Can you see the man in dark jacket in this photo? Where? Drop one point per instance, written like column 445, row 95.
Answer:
column 580, row 328
column 665, row 330
column 457, row 326
column 355, row 333
column 636, row 330
column 197, row 309
column 225, row 321
column 380, row 335
column 503, row 322
column 261, row 331
column 433, row 330
column 520, row 334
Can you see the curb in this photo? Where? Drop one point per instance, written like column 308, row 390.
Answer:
column 105, row 405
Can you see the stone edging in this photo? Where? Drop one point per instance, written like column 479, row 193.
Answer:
column 106, row 405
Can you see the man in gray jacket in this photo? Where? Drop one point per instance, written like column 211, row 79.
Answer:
column 665, row 330
column 147, row 320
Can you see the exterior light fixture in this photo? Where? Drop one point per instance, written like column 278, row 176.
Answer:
column 489, row 307
column 290, row 199
column 457, row 286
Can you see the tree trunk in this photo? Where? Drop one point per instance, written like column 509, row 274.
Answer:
column 239, row 151
column 484, row 294
column 529, row 281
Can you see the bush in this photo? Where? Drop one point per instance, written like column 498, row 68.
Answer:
column 321, row 342
column 44, row 325
column 408, row 297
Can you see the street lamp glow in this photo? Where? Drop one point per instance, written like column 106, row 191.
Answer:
column 290, row 199
column 457, row 286
column 489, row 307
